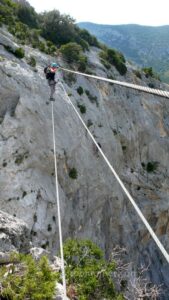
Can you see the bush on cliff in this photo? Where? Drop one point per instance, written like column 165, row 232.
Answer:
column 88, row 275
column 115, row 58
column 28, row 279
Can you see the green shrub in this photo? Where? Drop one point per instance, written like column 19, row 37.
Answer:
column 28, row 280
column 103, row 55
column 152, row 166
column 42, row 47
column 115, row 132
column 7, row 11
column 73, row 173
column 19, row 53
column 89, row 123
column 35, row 44
column 106, row 64
column 20, row 31
column 24, row 194
column 9, row 49
column 1, row 21
column 151, row 85
column 137, row 73
column 49, row 227
column 93, row 99
column 113, row 57
column 27, row 15
column 34, row 35
column 89, row 71
column 35, row 218
column 88, row 272
column 11, row 29
column 82, row 63
column 90, row 39
column 143, row 165
column 82, row 108
column 59, row 29
column 80, row 90
column 32, row 61
column 49, row 43
column 52, row 49
column 19, row 159
column 71, row 52
column 83, row 44
column 87, row 92
column 148, row 72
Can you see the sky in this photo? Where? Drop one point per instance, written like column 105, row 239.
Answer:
column 114, row 12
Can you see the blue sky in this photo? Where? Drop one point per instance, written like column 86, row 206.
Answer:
column 143, row 12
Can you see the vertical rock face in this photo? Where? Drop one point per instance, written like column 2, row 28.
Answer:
column 14, row 235
column 131, row 127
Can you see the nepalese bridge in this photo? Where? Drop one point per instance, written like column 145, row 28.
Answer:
column 157, row 92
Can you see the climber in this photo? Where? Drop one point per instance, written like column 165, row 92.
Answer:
column 50, row 72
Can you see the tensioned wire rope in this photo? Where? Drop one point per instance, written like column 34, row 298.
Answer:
column 128, row 85
column 58, row 208
column 122, row 83
column 147, row 225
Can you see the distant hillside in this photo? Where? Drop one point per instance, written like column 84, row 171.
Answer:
column 144, row 45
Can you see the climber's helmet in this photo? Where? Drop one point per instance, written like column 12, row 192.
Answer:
column 53, row 67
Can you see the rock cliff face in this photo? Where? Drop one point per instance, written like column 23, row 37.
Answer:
column 132, row 129
column 14, row 236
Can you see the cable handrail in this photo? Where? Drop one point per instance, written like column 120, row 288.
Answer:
column 147, row 225
column 141, row 88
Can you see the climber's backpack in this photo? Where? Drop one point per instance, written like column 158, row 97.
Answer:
column 47, row 73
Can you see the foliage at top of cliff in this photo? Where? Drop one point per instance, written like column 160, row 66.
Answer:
column 53, row 26
column 53, row 33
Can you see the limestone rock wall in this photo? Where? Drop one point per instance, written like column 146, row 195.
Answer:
column 14, row 236
column 132, row 129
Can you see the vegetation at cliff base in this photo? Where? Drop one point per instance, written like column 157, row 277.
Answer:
column 27, row 279
column 88, row 274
